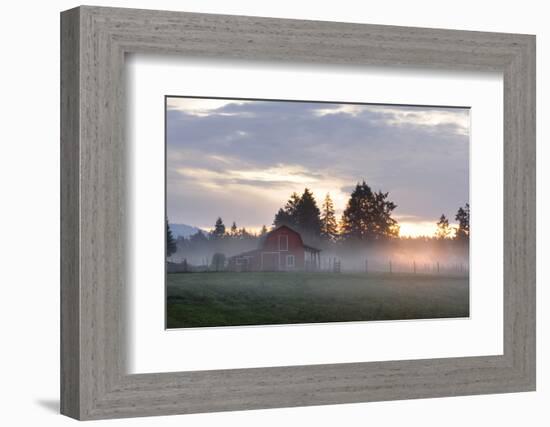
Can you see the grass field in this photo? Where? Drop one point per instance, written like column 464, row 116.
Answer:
column 230, row 299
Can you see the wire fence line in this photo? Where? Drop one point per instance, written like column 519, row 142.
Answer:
column 337, row 265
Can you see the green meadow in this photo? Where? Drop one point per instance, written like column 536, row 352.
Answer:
column 234, row 299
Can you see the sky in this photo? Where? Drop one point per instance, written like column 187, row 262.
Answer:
column 241, row 160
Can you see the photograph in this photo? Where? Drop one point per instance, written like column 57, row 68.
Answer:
column 283, row 212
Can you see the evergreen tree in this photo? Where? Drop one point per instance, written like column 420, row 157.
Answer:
column 308, row 215
column 329, row 227
column 292, row 206
column 263, row 231
column 219, row 230
column 463, row 218
column 358, row 213
column 383, row 224
column 171, row 247
column 244, row 234
column 368, row 215
column 234, row 231
column 282, row 218
column 443, row 229
column 289, row 214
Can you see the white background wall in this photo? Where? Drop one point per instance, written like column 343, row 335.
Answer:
column 29, row 212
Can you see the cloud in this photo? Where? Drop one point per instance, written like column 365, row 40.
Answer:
column 200, row 107
column 351, row 109
column 287, row 174
column 262, row 151
column 457, row 118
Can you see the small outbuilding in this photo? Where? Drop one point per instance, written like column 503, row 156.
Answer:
column 282, row 249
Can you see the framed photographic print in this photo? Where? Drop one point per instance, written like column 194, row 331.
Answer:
column 309, row 240
column 262, row 213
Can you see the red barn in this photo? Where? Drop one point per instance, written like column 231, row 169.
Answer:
column 281, row 249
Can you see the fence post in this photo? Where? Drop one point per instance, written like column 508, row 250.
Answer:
column 437, row 267
column 390, row 267
column 366, row 265
column 414, row 267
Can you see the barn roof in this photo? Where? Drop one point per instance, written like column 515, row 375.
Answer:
column 306, row 246
column 247, row 253
column 283, row 226
column 311, row 248
column 260, row 244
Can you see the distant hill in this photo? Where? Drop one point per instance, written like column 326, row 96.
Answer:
column 184, row 230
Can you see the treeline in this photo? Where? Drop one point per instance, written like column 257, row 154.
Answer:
column 201, row 246
column 462, row 232
column 367, row 218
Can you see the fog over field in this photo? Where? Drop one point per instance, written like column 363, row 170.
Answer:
column 404, row 254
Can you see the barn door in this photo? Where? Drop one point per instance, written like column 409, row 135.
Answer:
column 270, row 261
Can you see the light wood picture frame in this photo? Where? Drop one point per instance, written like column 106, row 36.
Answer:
column 94, row 42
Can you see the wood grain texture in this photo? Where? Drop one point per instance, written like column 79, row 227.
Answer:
column 70, row 314
column 94, row 42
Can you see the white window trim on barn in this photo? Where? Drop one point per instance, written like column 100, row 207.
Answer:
column 290, row 261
